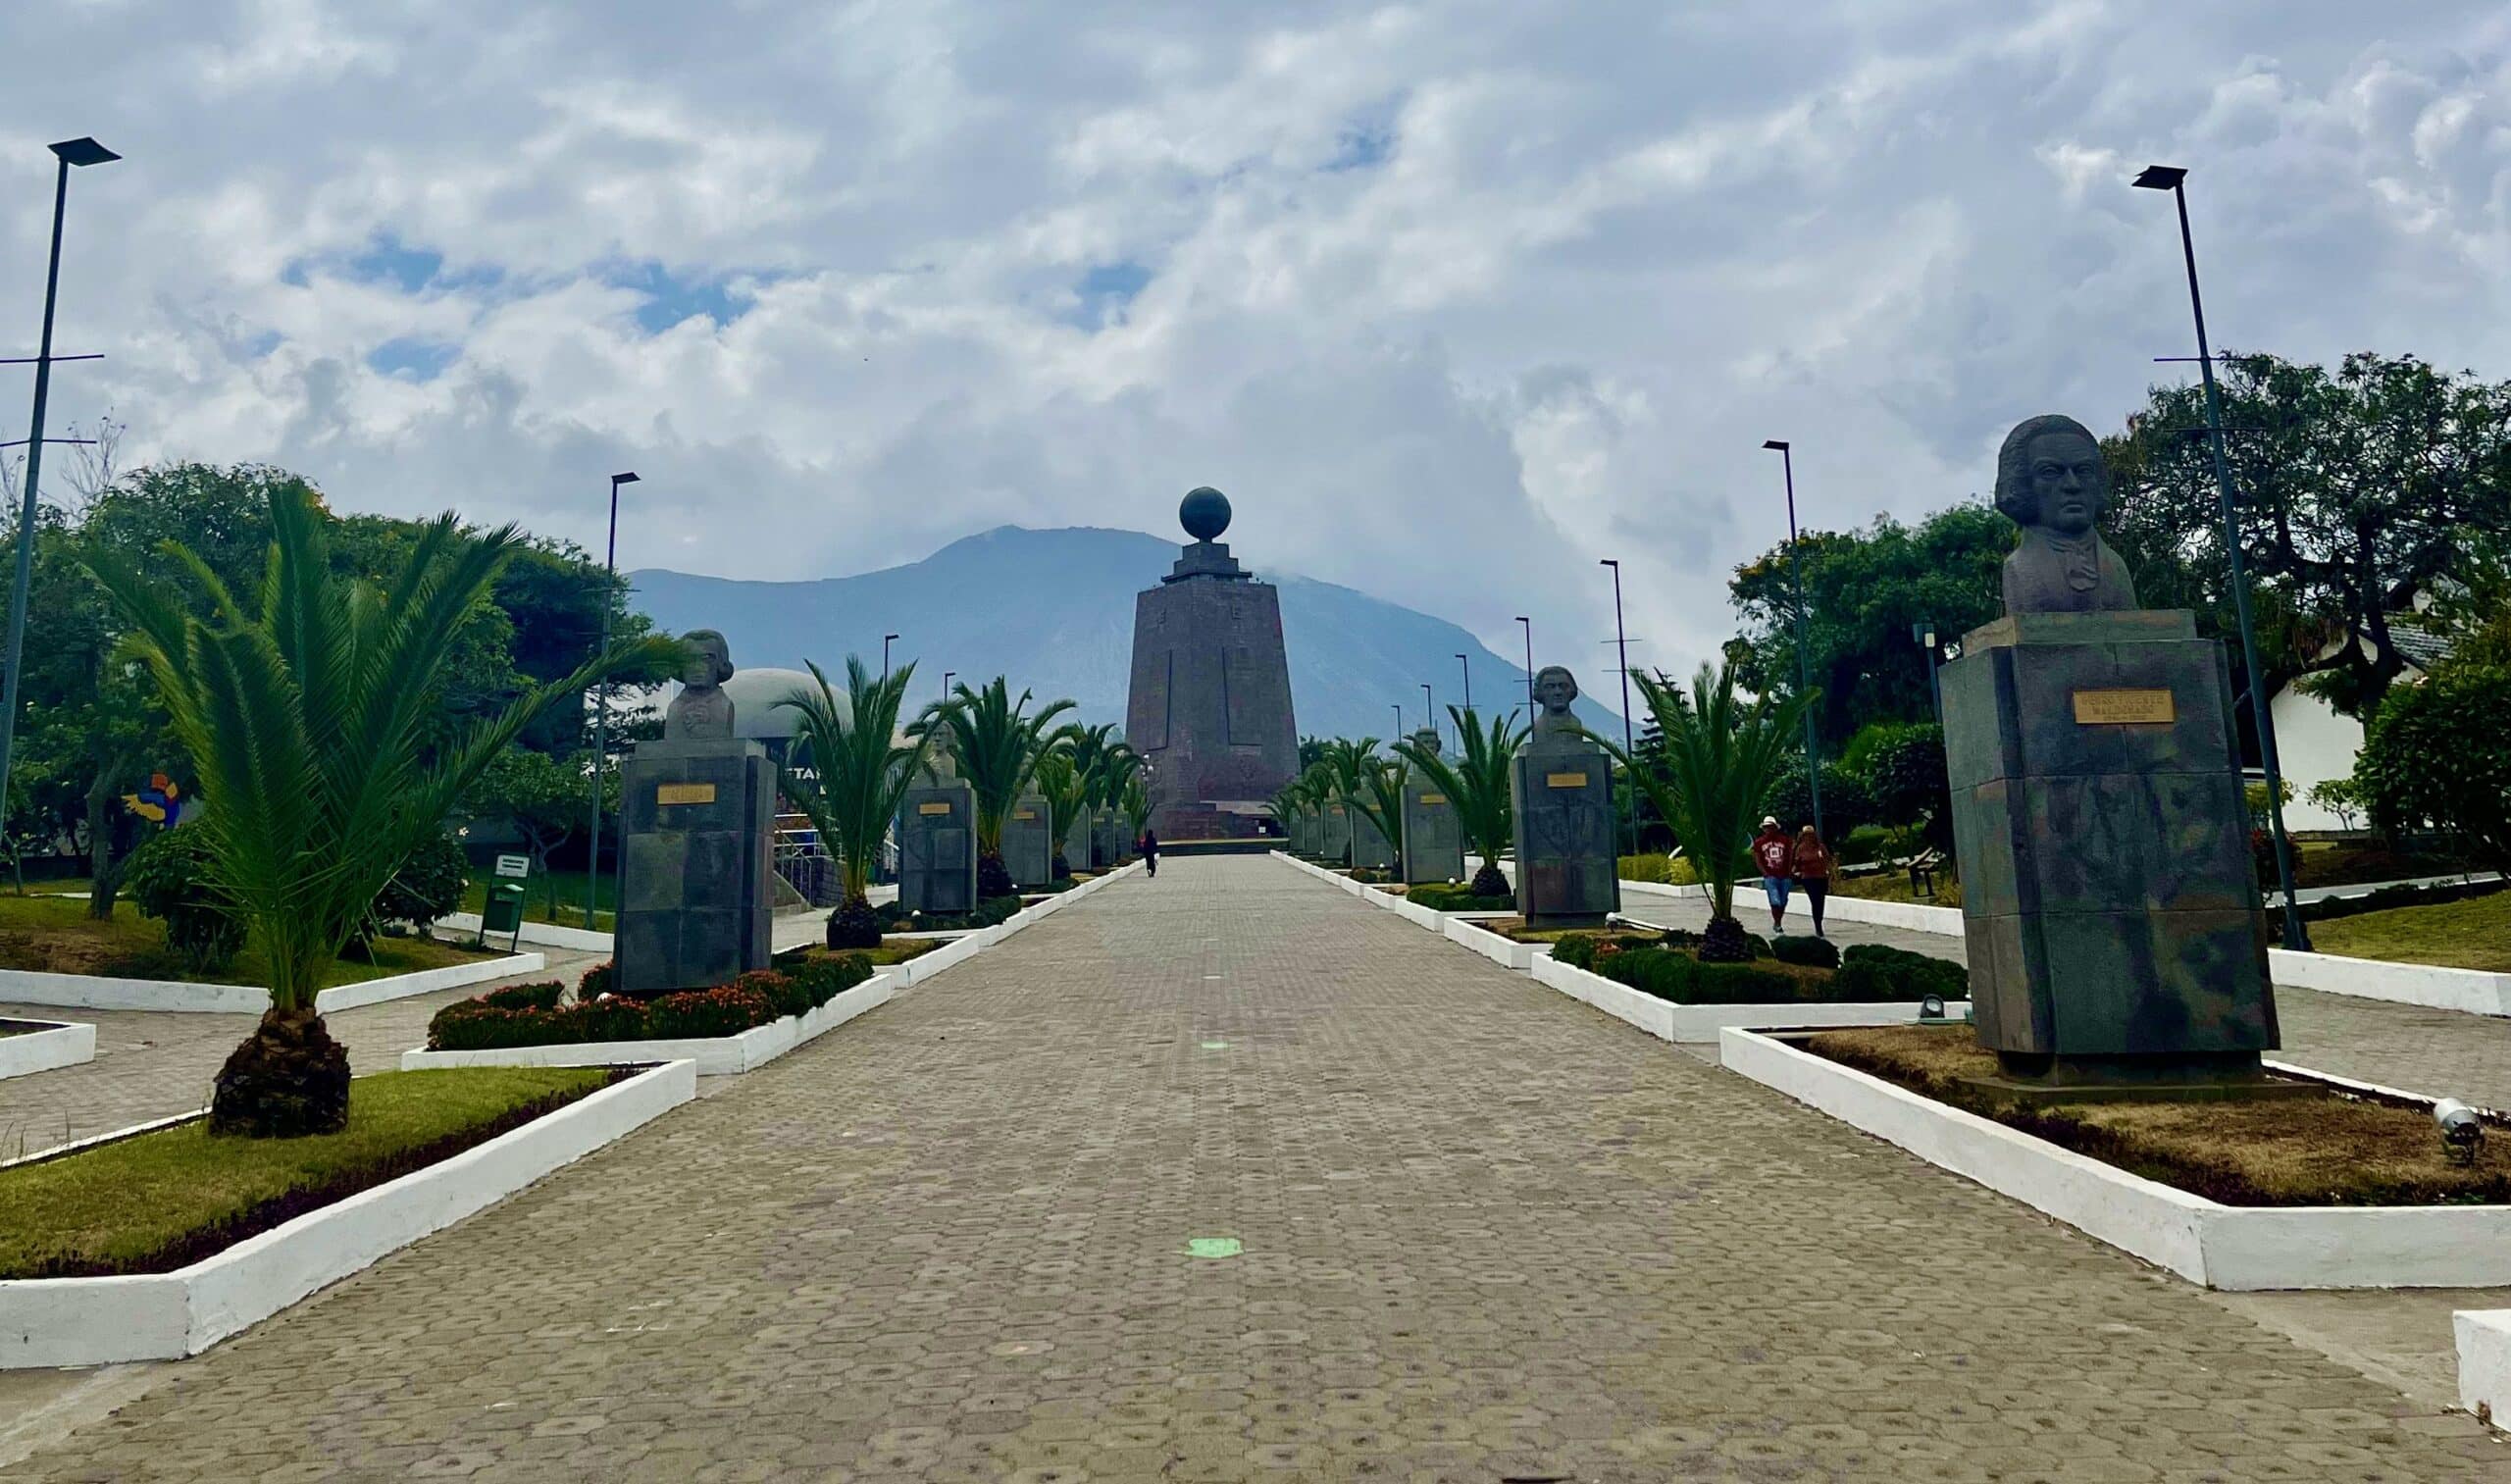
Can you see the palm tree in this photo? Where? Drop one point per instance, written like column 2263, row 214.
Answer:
column 1119, row 774
column 863, row 774
column 308, row 721
column 1062, row 787
column 1135, row 802
column 1290, row 806
column 1344, row 762
column 1720, row 756
column 1380, row 801
column 995, row 740
column 1478, row 784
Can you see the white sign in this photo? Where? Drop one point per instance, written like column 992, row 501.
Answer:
column 516, row 866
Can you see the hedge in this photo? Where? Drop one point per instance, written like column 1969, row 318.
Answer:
column 1673, row 974
column 1869, row 971
column 1811, row 952
column 1448, row 899
column 531, row 1014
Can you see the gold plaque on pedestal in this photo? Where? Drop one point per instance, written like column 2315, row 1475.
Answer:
column 932, row 808
column 1565, row 780
column 685, row 794
column 2094, row 708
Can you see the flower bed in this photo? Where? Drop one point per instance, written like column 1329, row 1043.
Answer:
column 531, row 1014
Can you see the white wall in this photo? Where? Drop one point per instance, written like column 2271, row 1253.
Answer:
column 2315, row 742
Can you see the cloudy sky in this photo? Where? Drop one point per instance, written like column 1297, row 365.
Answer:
column 1451, row 298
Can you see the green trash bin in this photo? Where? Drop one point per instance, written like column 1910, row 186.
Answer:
column 503, row 912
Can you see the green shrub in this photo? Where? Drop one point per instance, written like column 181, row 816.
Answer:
column 168, row 877
column 728, row 1009
column 429, row 884
column 525, row 997
column 1811, row 952
column 1576, row 950
column 1675, row 975
column 1872, row 972
column 1446, row 898
column 597, row 981
column 1662, row 869
column 2441, row 752
column 1865, row 845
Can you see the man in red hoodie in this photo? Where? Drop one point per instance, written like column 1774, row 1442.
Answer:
column 1772, row 855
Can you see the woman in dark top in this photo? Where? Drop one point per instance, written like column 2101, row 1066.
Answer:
column 1811, row 860
column 1150, row 850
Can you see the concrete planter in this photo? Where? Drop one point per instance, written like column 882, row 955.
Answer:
column 59, row 1043
column 2224, row 1247
column 1700, row 1024
column 2485, row 1363
column 96, row 992
column 546, row 934
column 712, row 1055
column 1506, row 953
column 2471, row 989
column 165, row 1317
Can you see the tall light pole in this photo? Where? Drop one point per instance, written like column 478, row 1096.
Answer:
column 884, row 656
column 1529, row 627
column 1804, row 666
column 80, row 151
column 1621, row 644
column 945, row 683
column 1923, row 633
column 1429, row 709
column 2170, row 177
column 602, row 700
column 1468, row 664
column 1399, row 717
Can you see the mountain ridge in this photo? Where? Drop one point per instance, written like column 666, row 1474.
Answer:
column 1058, row 620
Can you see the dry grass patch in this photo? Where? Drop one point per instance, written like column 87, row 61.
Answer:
column 1515, row 928
column 159, row 1201
column 2337, row 1150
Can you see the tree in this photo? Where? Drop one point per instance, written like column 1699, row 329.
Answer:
column 1379, row 798
column 304, row 717
column 1061, row 784
column 1862, row 591
column 859, row 778
column 2338, row 796
column 1721, row 759
column 995, row 740
column 1344, row 764
column 2440, row 752
column 1478, row 784
column 2361, row 492
column 547, row 801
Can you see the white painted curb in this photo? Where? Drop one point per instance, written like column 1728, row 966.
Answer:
column 1506, row 953
column 712, row 1055
column 2485, row 1363
column 1697, row 1024
column 97, row 993
column 2222, row 1247
column 546, row 934
column 62, row 1043
column 2471, row 989
column 165, row 1317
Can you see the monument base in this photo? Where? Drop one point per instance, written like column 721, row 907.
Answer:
column 694, row 894
column 2039, row 1080
column 1564, row 922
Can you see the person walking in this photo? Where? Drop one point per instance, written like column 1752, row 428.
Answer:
column 1811, row 861
column 1149, row 850
column 1774, row 856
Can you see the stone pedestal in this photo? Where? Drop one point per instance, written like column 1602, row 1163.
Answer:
column 1028, row 842
column 1433, row 837
column 1563, row 795
column 1076, row 841
column 938, row 847
column 1369, row 845
column 1302, row 840
column 2108, row 899
column 1334, row 835
column 1108, row 842
column 693, row 892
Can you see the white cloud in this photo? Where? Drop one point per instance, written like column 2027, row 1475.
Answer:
column 1453, row 297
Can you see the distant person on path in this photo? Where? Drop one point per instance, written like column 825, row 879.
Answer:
column 1771, row 854
column 1811, row 862
column 1148, row 849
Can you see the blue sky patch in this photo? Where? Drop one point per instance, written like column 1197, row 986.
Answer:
column 412, row 357
column 672, row 297
column 1364, row 142
column 1105, row 291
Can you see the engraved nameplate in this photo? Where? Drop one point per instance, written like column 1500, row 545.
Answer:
column 685, row 794
column 1434, row 799
column 2112, row 707
column 1565, row 780
column 932, row 808
column 1024, row 814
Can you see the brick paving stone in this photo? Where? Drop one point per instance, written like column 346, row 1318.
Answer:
column 2418, row 1049
column 1485, row 1232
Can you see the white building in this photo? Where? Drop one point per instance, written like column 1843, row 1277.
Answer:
column 2315, row 741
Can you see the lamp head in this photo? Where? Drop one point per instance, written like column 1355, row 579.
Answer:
column 2462, row 1130
column 618, row 480
column 1778, row 445
column 2160, row 177
column 82, row 151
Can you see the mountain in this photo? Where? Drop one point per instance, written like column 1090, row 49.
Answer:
column 1053, row 610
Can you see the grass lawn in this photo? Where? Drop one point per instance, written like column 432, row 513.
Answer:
column 54, row 935
column 2475, row 934
column 156, row 1201
column 1889, row 886
column 570, row 889
column 2329, row 1150
column 2341, row 863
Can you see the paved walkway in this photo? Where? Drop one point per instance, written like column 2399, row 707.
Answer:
column 1481, row 1234
column 2439, row 1052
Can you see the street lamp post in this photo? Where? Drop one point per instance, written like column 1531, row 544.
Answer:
column 1804, row 666
column 884, row 656
column 1923, row 633
column 945, row 683
column 82, row 152
column 1621, row 644
column 1529, row 627
column 1468, row 664
column 602, row 701
column 2171, row 177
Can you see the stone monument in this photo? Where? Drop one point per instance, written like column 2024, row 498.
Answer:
column 1076, row 841
column 1370, row 848
column 1560, row 784
column 1433, row 835
column 2116, row 937
column 1108, row 844
column 1334, row 834
column 1028, row 842
column 696, row 809
column 937, row 842
column 1210, row 707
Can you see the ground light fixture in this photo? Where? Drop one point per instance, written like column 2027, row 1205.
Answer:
column 1931, row 1007
column 2462, row 1130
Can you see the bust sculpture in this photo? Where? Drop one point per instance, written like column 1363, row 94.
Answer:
column 1554, row 688
column 2052, row 483
column 701, row 711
